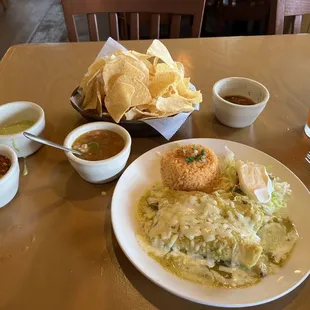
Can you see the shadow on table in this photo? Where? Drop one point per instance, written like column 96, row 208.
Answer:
column 69, row 185
column 206, row 125
column 292, row 145
column 162, row 299
column 247, row 135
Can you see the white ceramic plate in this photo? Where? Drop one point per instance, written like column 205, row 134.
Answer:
column 145, row 171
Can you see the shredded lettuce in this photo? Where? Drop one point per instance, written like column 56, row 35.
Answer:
column 229, row 178
column 229, row 184
column 279, row 197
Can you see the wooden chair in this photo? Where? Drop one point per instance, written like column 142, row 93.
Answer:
column 134, row 7
column 248, row 10
column 5, row 6
column 294, row 9
column 145, row 19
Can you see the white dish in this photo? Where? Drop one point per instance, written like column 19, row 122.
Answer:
column 235, row 115
column 19, row 111
column 9, row 182
column 101, row 171
column 145, row 171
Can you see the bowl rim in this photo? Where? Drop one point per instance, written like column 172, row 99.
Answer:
column 244, row 79
column 14, row 162
column 89, row 127
column 36, row 124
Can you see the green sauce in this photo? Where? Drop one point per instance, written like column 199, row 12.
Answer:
column 196, row 270
column 16, row 127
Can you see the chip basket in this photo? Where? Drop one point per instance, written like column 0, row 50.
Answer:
column 136, row 128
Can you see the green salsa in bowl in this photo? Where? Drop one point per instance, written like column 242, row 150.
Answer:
column 16, row 127
column 16, row 118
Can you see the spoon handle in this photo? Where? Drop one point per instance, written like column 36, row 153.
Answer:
column 49, row 143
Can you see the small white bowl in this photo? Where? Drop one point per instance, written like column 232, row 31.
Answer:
column 101, row 171
column 9, row 182
column 19, row 111
column 235, row 115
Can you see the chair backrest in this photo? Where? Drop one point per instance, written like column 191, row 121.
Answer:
column 244, row 9
column 232, row 3
column 293, row 8
column 175, row 7
column 248, row 10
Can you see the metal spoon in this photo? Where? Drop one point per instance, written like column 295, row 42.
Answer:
column 50, row 143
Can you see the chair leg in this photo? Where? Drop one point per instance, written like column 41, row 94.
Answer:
column 5, row 6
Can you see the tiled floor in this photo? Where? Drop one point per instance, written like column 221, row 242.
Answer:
column 20, row 20
column 40, row 21
column 53, row 28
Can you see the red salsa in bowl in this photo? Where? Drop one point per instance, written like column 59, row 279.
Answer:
column 5, row 165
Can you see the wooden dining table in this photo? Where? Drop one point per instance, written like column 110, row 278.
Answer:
column 57, row 247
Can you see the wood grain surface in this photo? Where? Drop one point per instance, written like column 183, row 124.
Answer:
column 57, row 248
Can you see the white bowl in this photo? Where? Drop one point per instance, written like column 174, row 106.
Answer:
column 19, row 111
column 9, row 182
column 235, row 115
column 101, row 171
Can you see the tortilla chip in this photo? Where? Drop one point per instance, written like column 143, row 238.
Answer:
column 120, row 52
column 96, row 66
column 135, row 113
column 118, row 100
column 99, row 101
column 141, row 95
column 146, row 107
column 90, row 99
column 159, row 50
column 181, row 87
column 194, row 97
column 101, row 88
column 139, row 86
column 195, row 100
column 145, row 59
column 183, row 90
column 186, row 82
column 138, row 64
column 120, row 67
column 139, row 55
column 173, row 105
column 155, row 61
column 161, row 83
column 170, row 91
column 178, row 66
column 162, row 67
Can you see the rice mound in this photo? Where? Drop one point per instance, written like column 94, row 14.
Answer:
column 198, row 175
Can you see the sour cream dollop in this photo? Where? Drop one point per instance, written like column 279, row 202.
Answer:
column 254, row 181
